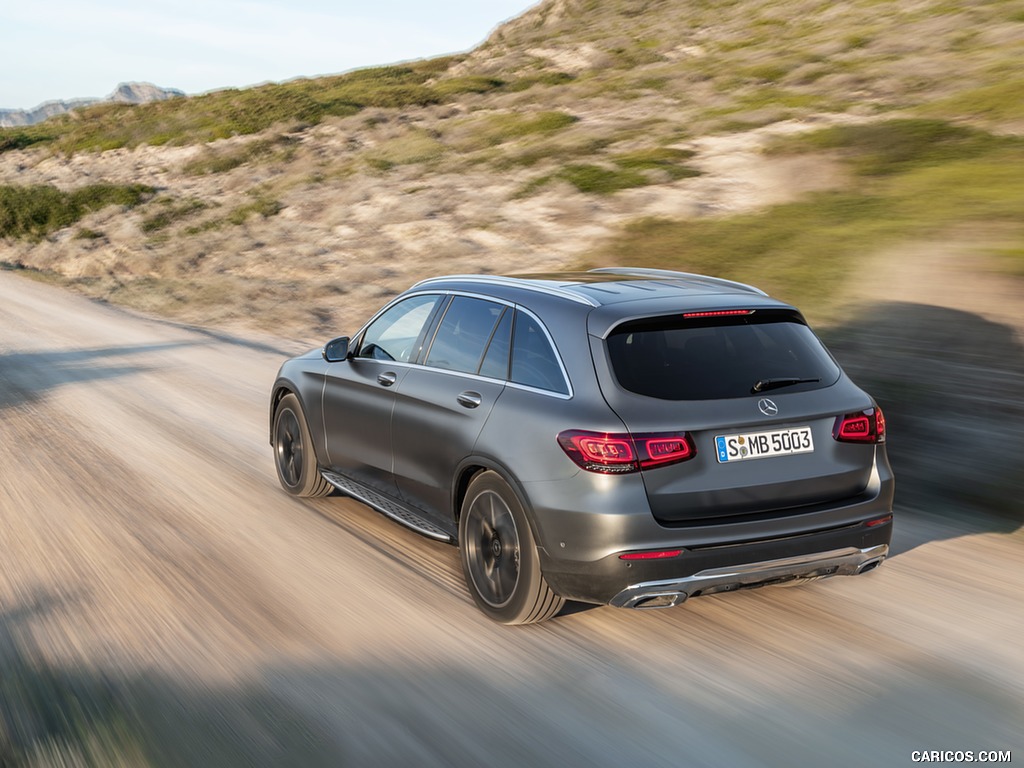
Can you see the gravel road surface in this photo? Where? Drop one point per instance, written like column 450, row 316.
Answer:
column 155, row 580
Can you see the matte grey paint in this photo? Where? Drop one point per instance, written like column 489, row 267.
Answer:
column 413, row 440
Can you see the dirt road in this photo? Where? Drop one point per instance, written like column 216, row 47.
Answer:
column 162, row 599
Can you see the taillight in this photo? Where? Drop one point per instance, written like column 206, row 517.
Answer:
column 860, row 427
column 619, row 453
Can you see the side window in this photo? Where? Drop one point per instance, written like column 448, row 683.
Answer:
column 495, row 362
column 463, row 333
column 393, row 335
column 534, row 362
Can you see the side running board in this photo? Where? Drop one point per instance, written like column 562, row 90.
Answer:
column 396, row 510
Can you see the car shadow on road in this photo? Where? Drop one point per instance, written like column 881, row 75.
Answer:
column 75, row 715
column 951, row 385
column 25, row 377
column 551, row 709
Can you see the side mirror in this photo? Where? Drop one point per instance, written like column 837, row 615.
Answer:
column 336, row 350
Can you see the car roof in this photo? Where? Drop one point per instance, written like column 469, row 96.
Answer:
column 601, row 287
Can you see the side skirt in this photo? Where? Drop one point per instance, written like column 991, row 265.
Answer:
column 397, row 510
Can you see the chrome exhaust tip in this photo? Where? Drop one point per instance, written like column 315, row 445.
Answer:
column 657, row 600
column 870, row 565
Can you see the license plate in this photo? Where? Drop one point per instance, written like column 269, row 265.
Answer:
column 761, row 445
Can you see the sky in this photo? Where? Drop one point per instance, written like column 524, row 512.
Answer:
column 64, row 49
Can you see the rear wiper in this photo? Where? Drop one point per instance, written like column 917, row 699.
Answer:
column 765, row 384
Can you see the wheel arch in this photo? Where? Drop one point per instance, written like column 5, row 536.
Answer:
column 472, row 466
column 281, row 388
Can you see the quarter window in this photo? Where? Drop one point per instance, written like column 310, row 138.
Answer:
column 534, row 362
column 394, row 334
column 495, row 362
column 463, row 334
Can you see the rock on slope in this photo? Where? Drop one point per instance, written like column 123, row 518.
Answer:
column 125, row 93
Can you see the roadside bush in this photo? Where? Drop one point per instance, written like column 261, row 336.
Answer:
column 658, row 158
column 594, row 179
column 222, row 161
column 171, row 213
column 36, row 211
column 893, row 146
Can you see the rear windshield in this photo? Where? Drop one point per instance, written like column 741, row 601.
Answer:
column 672, row 358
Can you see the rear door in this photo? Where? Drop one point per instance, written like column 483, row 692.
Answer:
column 759, row 396
column 443, row 403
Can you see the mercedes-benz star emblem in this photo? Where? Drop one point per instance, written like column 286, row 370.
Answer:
column 767, row 407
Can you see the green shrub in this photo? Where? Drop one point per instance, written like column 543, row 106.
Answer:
column 454, row 86
column 658, row 158
column 171, row 213
column 554, row 150
column 769, row 73
column 19, row 138
column 1001, row 101
column 544, row 78
column 502, row 128
column 36, row 211
column 222, row 161
column 412, row 147
column 593, row 179
column 263, row 206
column 892, row 146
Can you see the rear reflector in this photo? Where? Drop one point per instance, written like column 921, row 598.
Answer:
column 720, row 313
column 861, row 427
column 879, row 521
column 619, row 453
column 660, row 554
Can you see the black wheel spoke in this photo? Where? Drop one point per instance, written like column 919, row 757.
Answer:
column 492, row 548
column 289, row 448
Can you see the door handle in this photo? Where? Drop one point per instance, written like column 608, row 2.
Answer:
column 469, row 399
column 386, row 379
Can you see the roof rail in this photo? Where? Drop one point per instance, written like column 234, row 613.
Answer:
column 515, row 282
column 669, row 274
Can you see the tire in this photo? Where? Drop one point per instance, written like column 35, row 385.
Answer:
column 499, row 555
column 294, row 456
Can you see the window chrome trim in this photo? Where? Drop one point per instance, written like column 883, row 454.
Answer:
column 440, row 321
column 402, row 297
column 487, row 379
column 484, row 297
column 554, row 348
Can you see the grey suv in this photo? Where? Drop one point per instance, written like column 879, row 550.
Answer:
column 620, row 436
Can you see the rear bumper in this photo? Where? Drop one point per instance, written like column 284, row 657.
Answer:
column 846, row 550
column 669, row 592
column 583, row 527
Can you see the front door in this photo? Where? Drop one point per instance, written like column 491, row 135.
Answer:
column 359, row 393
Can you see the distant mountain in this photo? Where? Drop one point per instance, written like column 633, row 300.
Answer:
column 125, row 93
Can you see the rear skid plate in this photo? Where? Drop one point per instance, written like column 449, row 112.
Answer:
column 820, row 565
